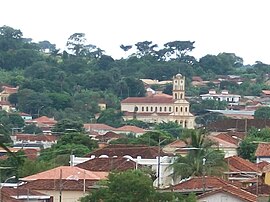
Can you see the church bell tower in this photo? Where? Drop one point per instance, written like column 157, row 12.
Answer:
column 179, row 87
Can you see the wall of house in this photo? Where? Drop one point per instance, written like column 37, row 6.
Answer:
column 220, row 197
column 67, row 196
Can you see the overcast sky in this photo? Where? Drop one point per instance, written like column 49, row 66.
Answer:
column 233, row 26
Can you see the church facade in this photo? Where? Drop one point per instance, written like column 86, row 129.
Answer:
column 158, row 108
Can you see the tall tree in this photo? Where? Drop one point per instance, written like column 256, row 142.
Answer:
column 76, row 43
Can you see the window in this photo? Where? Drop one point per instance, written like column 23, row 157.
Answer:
column 135, row 109
column 181, row 109
column 142, row 109
column 186, row 109
column 165, row 109
column 175, row 96
column 160, row 109
column 151, row 109
column 147, row 109
column 176, row 109
column 170, row 109
column 156, row 109
column 181, row 96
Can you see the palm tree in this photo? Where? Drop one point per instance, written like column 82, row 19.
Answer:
column 201, row 159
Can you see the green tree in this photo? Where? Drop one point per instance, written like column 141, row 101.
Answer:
column 201, row 150
column 65, row 125
column 111, row 117
column 171, row 127
column 262, row 113
column 32, row 129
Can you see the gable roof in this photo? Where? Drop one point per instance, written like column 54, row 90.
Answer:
column 67, row 172
column 196, row 184
column 121, row 150
column 238, row 164
column 32, row 137
column 221, row 143
column 262, row 164
column 108, row 164
column 108, row 136
column 129, row 128
column 177, row 144
column 54, row 184
column 97, row 126
column 228, row 138
column 263, row 149
column 232, row 190
column 43, row 120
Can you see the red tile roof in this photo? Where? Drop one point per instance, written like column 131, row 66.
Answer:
column 43, row 120
column 263, row 149
column 54, row 184
column 133, row 129
column 131, row 150
column 68, row 172
column 97, row 126
column 177, row 144
column 221, row 143
column 10, row 194
column 197, row 184
column 31, row 137
column 150, row 99
column 108, row 164
column 262, row 164
column 232, row 190
column 238, row 164
column 228, row 138
column 9, row 90
column 262, row 189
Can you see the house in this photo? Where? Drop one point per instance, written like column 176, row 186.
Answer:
column 107, row 137
column 242, row 170
column 108, row 164
column 227, row 193
column 212, row 189
column 25, row 116
column 263, row 152
column 134, row 130
column 152, row 157
column 18, row 194
column 237, row 125
column 229, row 149
column 44, row 123
column 71, row 183
column 160, row 108
column 231, row 99
column 97, row 128
column 45, row 141
column 176, row 147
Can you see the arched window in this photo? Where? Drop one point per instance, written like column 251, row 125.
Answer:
column 160, row 109
column 136, row 109
column 151, row 109
column 175, row 96
column 170, row 109
column 165, row 109
column 185, row 124
column 181, row 109
column 186, row 109
column 147, row 109
column 176, row 109
column 156, row 109
column 142, row 109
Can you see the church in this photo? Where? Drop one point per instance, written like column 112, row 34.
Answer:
column 158, row 108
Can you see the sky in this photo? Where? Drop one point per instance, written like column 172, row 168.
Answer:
column 216, row 26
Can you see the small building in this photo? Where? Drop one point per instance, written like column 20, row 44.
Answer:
column 231, row 99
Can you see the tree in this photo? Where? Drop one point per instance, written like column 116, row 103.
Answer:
column 179, row 48
column 262, row 113
column 111, row 117
column 125, row 48
column 145, row 48
column 171, row 127
column 32, row 129
column 192, row 164
column 76, row 43
column 65, row 125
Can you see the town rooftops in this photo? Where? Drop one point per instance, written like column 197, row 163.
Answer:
column 133, row 129
column 232, row 190
column 67, row 172
column 134, row 151
column 196, row 184
column 32, row 137
column 54, row 184
column 238, row 164
column 228, row 138
column 97, row 126
column 108, row 164
column 263, row 149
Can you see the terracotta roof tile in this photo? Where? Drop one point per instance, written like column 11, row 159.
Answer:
column 31, row 137
column 68, row 172
column 9, row 194
column 131, row 150
column 263, row 149
column 97, row 126
column 239, row 125
column 238, row 164
column 108, row 164
column 221, row 143
column 128, row 128
column 31, row 154
column 9, row 90
column 262, row 164
column 109, row 136
column 232, row 190
column 54, row 184
column 177, row 144
column 43, row 120
column 262, row 189
column 196, row 184
column 228, row 138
